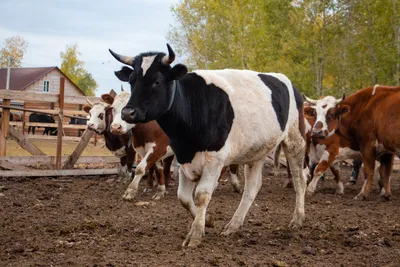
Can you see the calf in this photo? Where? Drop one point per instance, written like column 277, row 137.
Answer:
column 149, row 141
column 368, row 122
column 100, row 120
column 44, row 118
column 214, row 119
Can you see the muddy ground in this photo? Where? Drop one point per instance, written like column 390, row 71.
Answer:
column 79, row 221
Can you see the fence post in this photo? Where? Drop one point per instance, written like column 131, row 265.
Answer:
column 5, row 121
column 60, row 124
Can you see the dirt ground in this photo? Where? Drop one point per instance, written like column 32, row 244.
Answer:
column 80, row 221
column 49, row 147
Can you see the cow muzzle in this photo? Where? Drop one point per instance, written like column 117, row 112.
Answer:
column 116, row 128
column 129, row 115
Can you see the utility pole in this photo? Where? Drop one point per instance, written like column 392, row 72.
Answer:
column 8, row 73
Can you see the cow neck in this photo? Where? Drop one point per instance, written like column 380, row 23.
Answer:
column 344, row 129
column 112, row 141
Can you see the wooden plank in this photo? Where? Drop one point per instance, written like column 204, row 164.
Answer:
column 46, row 173
column 13, row 166
column 60, row 124
column 40, row 124
column 44, row 97
column 50, row 137
column 70, row 113
column 5, row 119
column 73, row 158
column 24, row 143
column 47, row 160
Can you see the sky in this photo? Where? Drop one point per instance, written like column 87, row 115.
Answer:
column 127, row 27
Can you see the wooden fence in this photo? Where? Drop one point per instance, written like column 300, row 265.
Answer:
column 58, row 165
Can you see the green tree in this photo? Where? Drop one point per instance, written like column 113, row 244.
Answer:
column 73, row 67
column 323, row 46
column 14, row 48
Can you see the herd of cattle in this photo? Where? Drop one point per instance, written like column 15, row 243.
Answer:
column 214, row 120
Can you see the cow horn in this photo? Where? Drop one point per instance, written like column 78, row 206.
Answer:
column 123, row 59
column 309, row 100
column 337, row 101
column 122, row 88
column 168, row 59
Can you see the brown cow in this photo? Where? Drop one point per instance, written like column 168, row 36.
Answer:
column 149, row 141
column 366, row 121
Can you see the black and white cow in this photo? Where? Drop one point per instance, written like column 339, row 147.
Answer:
column 215, row 118
column 44, row 118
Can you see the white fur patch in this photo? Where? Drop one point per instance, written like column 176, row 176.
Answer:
column 119, row 103
column 146, row 63
column 322, row 107
column 95, row 123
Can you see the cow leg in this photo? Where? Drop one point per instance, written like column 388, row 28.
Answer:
column 129, row 158
column 233, row 178
column 369, row 167
column 122, row 168
column 385, row 170
column 150, row 177
column 161, row 184
column 289, row 180
column 326, row 160
column 295, row 148
column 185, row 193
column 148, row 160
column 356, row 170
column 252, row 184
column 167, row 162
column 203, row 194
column 336, row 172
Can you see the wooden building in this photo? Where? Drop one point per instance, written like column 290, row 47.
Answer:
column 41, row 80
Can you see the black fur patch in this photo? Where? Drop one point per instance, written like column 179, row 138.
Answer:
column 200, row 118
column 280, row 98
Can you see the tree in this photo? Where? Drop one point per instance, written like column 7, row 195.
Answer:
column 14, row 48
column 325, row 47
column 74, row 69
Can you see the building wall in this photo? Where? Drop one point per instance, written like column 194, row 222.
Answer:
column 54, row 87
column 54, row 84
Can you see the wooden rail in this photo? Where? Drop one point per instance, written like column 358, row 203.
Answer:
column 54, row 125
column 40, row 97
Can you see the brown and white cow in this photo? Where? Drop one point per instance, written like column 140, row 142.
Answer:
column 100, row 120
column 149, row 141
column 367, row 121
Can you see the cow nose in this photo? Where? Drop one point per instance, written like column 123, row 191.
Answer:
column 128, row 114
column 90, row 125
column 116, row 126
column 316, row 132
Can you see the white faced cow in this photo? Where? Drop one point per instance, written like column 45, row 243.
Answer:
column 149, row 141
column 214, row 119
column 120, row 145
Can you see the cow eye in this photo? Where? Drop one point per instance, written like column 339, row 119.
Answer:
column 156, row 83
column 101, row 116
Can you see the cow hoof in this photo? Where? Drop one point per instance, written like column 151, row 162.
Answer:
column 295, row 224
column 210, row 221
column 339, row 192
column 129, row 194
column 288, row 184
column 238, row 189
column 361, row 197
column 385, row 198
column 193, row 239
column 230, row 228
column 309, row 192
column 158, row 196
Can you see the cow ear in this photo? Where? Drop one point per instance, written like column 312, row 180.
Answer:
column 87, row 109
column 343, row 110
column 309, row 111
column 124, row 74
column 109, row 99
column 177, row 72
